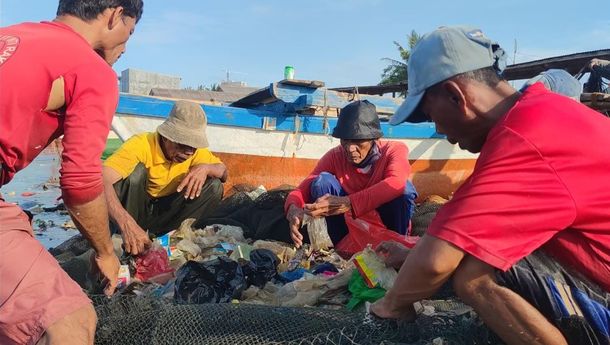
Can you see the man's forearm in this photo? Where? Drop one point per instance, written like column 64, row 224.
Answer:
column 217, row 170
column 427, row 267
column 91, row 219
column 116, row 211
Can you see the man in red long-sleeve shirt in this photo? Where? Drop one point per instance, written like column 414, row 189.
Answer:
column 55, row 78
column 362, row 175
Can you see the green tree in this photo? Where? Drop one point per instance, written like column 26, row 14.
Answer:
column 396, row 71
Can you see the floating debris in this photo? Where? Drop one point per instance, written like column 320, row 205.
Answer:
column 68, row 225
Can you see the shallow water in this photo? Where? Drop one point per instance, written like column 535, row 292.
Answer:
column 40, row 179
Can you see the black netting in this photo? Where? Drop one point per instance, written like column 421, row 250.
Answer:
column 261, row 218
column 146, row 320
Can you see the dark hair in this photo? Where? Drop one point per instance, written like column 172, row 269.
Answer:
column 487, row 75
column 90, row 9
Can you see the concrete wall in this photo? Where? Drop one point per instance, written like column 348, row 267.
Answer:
column 141, row 82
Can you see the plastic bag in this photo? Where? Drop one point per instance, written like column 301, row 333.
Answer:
column 318, row 232
column 230, row 232
column 369, row 230
column 283, row 251
column 190, row 249
column 185, row 230
column 373, row 270
column 152, row 263
column 361, row 292
column 217, row 281
column 262, row 267
column 241, row 252
column 300, row 293
column 265, row 296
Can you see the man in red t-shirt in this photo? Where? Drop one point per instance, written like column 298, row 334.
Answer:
column 56, row 79
column 527, row 237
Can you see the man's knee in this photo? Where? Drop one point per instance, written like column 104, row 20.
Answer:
column 213, row 188
column 90, row 319
column 75, row 328
column 325, row 183
column 473, row 280
column 138, row 175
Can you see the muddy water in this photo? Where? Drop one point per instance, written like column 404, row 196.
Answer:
column 36, row 188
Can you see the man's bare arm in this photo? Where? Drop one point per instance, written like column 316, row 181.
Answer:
column 91, row 219
column 218, row 170
column 135, row 239
column 115, row 209
column 429, row 264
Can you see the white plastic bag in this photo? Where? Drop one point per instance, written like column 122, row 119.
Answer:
column 318, row 232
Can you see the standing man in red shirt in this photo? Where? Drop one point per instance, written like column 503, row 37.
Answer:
column 526, row 239
column 55, row 78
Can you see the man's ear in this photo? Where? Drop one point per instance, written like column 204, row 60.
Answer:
column 456, row 95
column 115, row 16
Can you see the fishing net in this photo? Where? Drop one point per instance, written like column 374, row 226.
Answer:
column 146, row 320
column 260, row 215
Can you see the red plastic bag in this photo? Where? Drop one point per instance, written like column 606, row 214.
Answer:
column 152, row 263
column 369, row 229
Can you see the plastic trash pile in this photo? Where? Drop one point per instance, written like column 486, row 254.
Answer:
column 217, row 264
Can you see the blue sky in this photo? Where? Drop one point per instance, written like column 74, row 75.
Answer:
column 341, row 42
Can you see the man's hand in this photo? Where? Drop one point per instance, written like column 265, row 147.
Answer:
column 194, row 181
column 108, row 266
column 384, row 309
column 329, row 205
column 135, row 239
column 295, row 219
column 392, row 253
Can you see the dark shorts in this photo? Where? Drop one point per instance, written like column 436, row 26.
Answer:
column 575, row 305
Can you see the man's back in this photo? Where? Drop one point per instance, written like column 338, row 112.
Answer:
column 32, row 57
column 574, row 141
column 538, row 181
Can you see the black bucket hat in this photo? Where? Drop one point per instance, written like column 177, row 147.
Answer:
column 358, row 120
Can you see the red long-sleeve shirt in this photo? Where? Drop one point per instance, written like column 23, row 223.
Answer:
column 32, row 56
column 385, row 182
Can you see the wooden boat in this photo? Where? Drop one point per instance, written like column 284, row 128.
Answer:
column 276, row 135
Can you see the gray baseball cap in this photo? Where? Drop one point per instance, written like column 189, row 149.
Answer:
column 440, row 55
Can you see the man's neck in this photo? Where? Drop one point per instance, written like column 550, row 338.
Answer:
column 163, row 148
column 88, row 30
column 504, row 99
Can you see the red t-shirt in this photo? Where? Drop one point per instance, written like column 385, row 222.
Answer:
column 541, row 180
column 367, row 191
column 32, row 56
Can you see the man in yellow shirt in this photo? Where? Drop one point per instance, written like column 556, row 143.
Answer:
column 156, row 180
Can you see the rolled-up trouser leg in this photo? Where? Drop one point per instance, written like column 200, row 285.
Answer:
column 327, row 183
column 134, row 197
column 168, row 212
column 576, row 306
